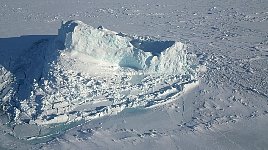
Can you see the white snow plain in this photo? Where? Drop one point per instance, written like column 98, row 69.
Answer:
column 226, row 110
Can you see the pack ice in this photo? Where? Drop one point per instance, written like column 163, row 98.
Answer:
column 86, row 73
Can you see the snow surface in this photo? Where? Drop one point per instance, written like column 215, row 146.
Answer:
column 226, row 110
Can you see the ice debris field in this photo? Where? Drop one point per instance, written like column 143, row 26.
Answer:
column 86, row 73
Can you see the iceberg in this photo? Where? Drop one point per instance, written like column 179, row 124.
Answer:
column 142, row 54
column 62, row 81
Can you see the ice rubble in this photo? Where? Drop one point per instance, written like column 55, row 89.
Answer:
column 84, row 74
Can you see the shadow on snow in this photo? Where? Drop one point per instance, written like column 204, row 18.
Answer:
column 27, row 58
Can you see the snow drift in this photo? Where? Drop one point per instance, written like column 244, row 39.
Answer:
column 85, row 73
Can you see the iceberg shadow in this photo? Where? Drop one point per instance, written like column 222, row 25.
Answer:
column 25, row 58
column 153, row 46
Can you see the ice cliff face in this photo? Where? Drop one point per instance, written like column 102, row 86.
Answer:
column 143, row 54
column 86, row 73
